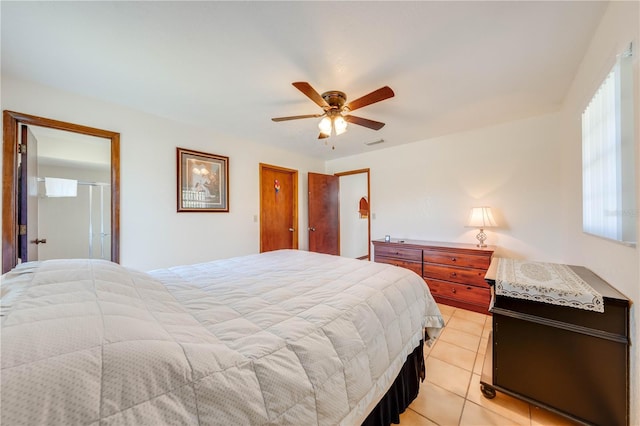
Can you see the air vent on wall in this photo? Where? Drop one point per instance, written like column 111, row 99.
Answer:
column 374, row 142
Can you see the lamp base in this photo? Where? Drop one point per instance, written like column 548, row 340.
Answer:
column 481, row 237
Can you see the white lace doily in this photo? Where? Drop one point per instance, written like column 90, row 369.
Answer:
column 550, row 283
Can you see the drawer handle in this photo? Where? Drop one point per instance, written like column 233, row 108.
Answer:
column 397, row 253
column 453, row 274
column 454, row 291
column 453, row 259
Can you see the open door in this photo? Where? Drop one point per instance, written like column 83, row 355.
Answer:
column 28, row 197
column 324, row 214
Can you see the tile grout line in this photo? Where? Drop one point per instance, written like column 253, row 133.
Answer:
column 466, row 399
column 526, row 414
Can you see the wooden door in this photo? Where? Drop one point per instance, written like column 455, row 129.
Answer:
column 28, row 197
column 278, row 208
column 324, row 214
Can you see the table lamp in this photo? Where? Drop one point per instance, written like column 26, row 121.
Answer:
column 481, row 217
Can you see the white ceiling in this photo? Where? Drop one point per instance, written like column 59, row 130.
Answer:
column 228, row 66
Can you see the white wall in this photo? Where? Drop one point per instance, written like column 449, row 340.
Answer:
column 424, row 190
column 152, row 234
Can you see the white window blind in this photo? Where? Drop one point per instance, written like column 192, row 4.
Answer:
column 608, row 160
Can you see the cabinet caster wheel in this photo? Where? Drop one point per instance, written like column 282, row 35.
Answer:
column 488, row 391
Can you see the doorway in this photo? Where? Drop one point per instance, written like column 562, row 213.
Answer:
column 339, row 219
column 76, row 223
column 355, row 217
column 15, row 149
column 278, row 208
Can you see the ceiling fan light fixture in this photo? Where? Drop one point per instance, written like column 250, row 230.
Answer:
column 336, row 112
column 325, row 125
column 340, row 125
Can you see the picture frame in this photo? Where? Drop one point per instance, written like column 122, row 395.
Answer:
column 203, row 182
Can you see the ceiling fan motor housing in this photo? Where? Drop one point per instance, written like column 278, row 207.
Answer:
column 335, row 99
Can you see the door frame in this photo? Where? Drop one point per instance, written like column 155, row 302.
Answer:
column 11, row 139
column 368, row 172
column 294, row 191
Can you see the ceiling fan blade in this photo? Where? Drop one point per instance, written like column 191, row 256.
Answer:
column 311, row 93
column 375, row 125
column 373, row 97
column 297, row 117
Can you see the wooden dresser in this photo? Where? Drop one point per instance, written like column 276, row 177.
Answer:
column 454, row 272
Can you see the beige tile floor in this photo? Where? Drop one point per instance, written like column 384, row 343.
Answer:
column 450, row 395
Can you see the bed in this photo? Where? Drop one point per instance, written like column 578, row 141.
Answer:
column 284, row 337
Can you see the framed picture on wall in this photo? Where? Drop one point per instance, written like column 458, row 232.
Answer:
column 203, row 181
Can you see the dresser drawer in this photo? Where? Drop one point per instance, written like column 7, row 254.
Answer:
column 456, row 259
column 459, row 292
column 460, row 275
column 450, row 266
column 400, row 252
column 414, row 266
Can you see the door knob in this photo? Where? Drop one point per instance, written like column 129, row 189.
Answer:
column 42, row 241
column 311, row 228
column 291, row 229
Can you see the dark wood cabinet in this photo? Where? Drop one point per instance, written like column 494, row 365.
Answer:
column 454, row 272
column 572, row 361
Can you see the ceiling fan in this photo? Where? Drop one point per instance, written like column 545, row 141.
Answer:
column 336, row 114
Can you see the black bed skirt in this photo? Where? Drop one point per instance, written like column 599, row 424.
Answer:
column 402, row 392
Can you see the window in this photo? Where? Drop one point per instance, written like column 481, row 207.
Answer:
column 608, row 158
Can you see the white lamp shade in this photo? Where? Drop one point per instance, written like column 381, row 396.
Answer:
column 481, row 217
column 340, row 125
column 325, row 125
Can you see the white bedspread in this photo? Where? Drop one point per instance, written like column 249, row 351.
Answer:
column 286, row 337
